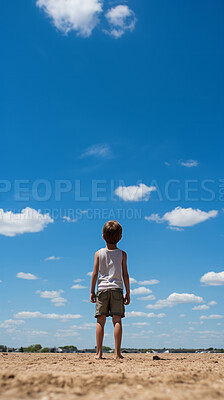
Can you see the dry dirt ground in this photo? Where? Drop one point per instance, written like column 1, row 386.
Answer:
column 73, row 376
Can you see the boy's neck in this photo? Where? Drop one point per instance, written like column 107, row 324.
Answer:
column 111, row 246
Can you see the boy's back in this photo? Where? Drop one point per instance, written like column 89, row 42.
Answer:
column 110, row 269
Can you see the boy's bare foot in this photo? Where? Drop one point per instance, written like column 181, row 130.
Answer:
column 99, row 357
column 118, row 356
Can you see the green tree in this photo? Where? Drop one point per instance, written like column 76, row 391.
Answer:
column 105, row 348
column 69, row 348
column 34, row 348
column 45, row 350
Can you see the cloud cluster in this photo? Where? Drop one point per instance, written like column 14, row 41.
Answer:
column 54, row 296
column 26, row 275
column 65, row 333
column 189, row 163
column 145, row 282
column 69, row 219
column 71, row 331
column 139, row 192
column 38, row 314
column 150, row 282
column 202, row 307
column 82, row 16
column 29, row 220
column 78, row 287
column 183, row 217
column 97, row 150
column 147, row 298
column 133, row 314
column 212, row 316
column 213, row 278
column 175, row 299
column 140, row 290
column 52, row 258
column 9, row 323
column 121, row 19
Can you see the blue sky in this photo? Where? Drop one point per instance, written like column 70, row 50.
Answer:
column 112, row 112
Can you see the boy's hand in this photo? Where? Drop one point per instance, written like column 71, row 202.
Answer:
column 93, row 298
column 127, row 299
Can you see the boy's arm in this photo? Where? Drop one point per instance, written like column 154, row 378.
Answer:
column 125, row 278
column 94, row 278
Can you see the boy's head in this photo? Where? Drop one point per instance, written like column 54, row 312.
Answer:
column 112, row 232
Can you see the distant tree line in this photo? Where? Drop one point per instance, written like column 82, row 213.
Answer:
column 37, row 348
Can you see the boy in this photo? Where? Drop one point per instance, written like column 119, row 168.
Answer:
column 111, row 265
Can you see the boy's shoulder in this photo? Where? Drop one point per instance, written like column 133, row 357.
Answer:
column 124, row 254
column 104, row 249
column 97, row 253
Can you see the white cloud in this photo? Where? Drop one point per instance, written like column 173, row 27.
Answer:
column 133, row 314
column 98, row 150
column 182, row 315
column 121, row 19
column 65, row 333
column 85, row 327
column 146, row 298
column 29, row 220
column 155, row 218
column 68, row 219
column 37, row 333
column 175, row 299
column 164, row 335
column 175, row 228
column 183, row 217
column 38, row 314
column 89, row 273
column 202, row 307
column 132, row 280
column 213, row 278
column 52, row 258
column 28, row 276
column 140, row 290
column 140, row 323
column 161, row 315
column 135, row 193
column 78, row 286
column 0, row 281
column 54, row 296
column 78, row 280
column 11, row 322
column 59, row 301
column 212, row 316
column 80, row 16
column 71, row 331
column 212, row 303
column 189, row 163
column 151, row 282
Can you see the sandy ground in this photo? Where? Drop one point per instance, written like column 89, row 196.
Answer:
column 72, row 376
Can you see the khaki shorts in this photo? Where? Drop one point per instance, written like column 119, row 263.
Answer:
column 110, row 302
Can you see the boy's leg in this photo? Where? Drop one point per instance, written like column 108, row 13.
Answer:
column 117, row 335
column 99, row 335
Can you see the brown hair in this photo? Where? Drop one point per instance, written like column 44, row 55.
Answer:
column 112, row 232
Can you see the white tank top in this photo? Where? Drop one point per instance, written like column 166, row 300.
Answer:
column 110, row 267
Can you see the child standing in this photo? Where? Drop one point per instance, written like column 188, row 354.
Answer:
column 110, row 268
